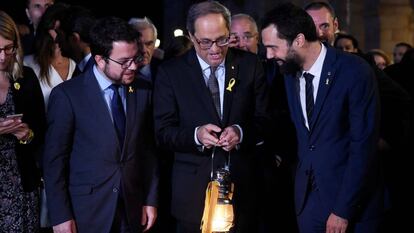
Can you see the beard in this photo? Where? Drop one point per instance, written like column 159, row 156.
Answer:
column 292, row 63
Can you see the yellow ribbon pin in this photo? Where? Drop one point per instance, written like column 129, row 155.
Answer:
column 231, row 84
column 16, row 86
column 130, row 90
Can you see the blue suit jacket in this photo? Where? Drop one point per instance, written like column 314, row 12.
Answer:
column 341, row 144
column 84, row 166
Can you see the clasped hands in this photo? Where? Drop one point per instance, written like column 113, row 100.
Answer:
column 211, row 135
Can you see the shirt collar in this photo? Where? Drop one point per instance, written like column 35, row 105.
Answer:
column 84, row 61
column 205, row 66
column 103, row 81
column 316, row 68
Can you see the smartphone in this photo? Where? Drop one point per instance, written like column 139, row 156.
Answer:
column 15, row 116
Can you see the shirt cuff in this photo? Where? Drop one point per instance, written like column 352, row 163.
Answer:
column 195, row 137
column 241, row 132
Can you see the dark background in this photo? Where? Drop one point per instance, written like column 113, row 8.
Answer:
column 375, row 23
column 120, row 8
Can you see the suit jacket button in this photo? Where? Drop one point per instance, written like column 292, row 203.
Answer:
column 115, row 190
column 312, row 148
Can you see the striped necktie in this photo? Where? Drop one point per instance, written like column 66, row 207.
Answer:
column 213, row 86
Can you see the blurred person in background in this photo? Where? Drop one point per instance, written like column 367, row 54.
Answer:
column 50, row 66
column 381, row 58
column 244, row 30
column 34, row 11
column 399, row 51
column 326, row 22
column 148, row 38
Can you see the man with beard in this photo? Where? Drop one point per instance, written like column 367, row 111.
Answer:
column 333, row 100
column 99, row 166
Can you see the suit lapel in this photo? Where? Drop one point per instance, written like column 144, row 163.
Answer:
column 200, row 87
column 292, row 91
column 99, row 106
column 130, row 92
column 230, row 83
column 325, row 83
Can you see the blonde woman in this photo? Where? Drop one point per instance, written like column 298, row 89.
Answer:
column 22, row 126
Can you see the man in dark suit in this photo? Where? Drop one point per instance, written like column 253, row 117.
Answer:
column 333, row 100
column 100, row 169
column 194, row 119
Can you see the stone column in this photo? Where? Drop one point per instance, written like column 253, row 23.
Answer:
column 397, row 23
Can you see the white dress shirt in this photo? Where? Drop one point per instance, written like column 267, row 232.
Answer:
column 315, row 70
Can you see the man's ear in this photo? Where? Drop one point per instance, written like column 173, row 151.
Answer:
column 100, row 61
column 299, row 41
column 336, row 25
column 75, row 37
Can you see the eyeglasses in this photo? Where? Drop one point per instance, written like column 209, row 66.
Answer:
column 127, row 63
column 244, row 37
column 206, row 43
column 8, row 50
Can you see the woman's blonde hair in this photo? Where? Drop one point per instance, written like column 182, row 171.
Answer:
column 8, row 30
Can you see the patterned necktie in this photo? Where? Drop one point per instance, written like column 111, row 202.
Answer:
column 118, row 114
column 309, row 96
column 213, row 86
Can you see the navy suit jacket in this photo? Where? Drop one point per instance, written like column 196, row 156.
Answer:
column 183, row 102
column 84, row 165
column 340, row 146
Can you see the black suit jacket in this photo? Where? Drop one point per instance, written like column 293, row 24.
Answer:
column 28, row 99
column 85, row 169
column 183, row 102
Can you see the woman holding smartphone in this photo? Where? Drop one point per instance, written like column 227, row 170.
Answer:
column 22, row 126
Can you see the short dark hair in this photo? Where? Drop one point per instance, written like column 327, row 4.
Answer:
column 403, row 44
column 320, row 5
column 204, row 8
column 346, row 36
column 108, row 30
column 78, row 19
column 290, row 20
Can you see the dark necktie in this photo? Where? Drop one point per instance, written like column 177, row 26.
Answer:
column 118, row 114
column 213, row 86
column 309, row 96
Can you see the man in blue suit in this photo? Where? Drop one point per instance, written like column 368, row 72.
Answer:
column 100, row 168
column 333, row 100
